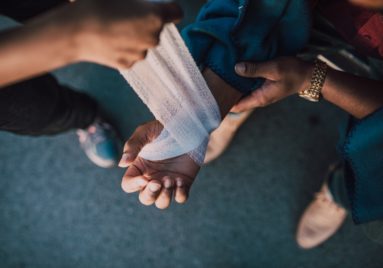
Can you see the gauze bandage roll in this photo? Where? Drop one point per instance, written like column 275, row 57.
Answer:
column 169, row 82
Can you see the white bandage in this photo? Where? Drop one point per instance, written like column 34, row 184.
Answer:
column 169, row 82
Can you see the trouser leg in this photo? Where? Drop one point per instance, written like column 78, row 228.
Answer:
column 41, row 106
column 337, row 186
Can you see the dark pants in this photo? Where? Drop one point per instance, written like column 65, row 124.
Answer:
column 41, row 106
column 337, row 186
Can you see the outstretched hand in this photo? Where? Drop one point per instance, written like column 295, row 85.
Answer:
column 156, row 181
column 283, row 77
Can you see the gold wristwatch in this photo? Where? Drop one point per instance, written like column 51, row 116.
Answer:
column 313, row 93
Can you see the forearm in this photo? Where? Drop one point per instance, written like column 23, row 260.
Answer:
column 41, row 46
column 356, row 95
column 225, row 95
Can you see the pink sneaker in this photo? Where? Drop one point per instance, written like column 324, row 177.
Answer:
column 322, row 218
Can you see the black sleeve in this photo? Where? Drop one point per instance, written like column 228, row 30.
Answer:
column 22, row 10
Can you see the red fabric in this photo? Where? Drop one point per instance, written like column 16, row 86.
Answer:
column 362, row 28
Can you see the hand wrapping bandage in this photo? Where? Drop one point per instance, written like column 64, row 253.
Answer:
column 169, row 82
column 230, row 31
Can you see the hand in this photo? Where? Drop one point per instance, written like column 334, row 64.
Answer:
column 117, row 33
column 283, row 77
column 157, row 181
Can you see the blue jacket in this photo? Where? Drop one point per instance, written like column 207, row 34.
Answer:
column 362, row 150
column 230, row 31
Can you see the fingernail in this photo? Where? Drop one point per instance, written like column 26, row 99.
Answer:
column 124, row 160
column 180, row 183
column 142, row 183
column 154, row 187
column 168, row 184
column 240, row 68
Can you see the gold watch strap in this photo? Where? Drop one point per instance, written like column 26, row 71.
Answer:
column 313, row 93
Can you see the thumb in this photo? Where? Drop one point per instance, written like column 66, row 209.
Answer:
column 266, row 70
column 142, row 135
column 265, row 95
column 169, row 11
column 250, row 102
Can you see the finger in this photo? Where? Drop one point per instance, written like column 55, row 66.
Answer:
column 266, row 70
column 252, row 101
column 149, row 195
column 133, row 181
column 269, row 93
column 133, row 55
column 142, row 135
column 182, row 191
column 123, row 64
column 169, row 12
column 151, row 41
column 129, row 58
column 132, row 185
column 164, row 199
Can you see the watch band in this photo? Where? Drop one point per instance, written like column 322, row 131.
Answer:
column 313, row 93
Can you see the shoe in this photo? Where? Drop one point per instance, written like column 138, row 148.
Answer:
column 99, row 142
column 221, row 138
column 322, row 218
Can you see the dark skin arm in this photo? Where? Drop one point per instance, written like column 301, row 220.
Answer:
column 115, row 33
column 287, row 76
column 225, row 95
column 356, row 95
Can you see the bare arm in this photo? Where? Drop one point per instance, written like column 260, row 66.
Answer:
column 34, row 49
column 115, row 33
column 225, row 95
column 356, row 95
column 287, row 76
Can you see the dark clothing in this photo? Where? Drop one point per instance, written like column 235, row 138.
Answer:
column 230, row 31
column 337, row 186
column 41, row 106
column 360, row 27
column 361, row 146
column 22, row 10
column 357, row 184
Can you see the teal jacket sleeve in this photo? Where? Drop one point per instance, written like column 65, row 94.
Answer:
column 362, row 150
column 230, row 31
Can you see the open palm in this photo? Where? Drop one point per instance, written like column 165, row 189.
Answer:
column 157, row 181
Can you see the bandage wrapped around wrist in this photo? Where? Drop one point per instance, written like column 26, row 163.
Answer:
column 169, row 82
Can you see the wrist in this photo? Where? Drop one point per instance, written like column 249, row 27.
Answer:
column 306, row 73
column 63, row 32
column 314, row 91
column 225, row 95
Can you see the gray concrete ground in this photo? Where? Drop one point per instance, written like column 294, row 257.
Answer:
column 58, row 210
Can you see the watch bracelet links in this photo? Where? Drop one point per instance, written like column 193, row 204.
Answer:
column 313, row 93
